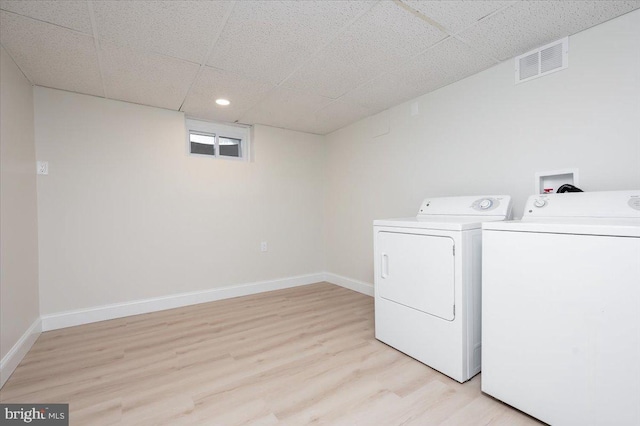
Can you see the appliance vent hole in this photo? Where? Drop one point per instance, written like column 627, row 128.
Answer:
column 542, row 61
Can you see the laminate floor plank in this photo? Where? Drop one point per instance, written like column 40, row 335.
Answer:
column 305, row 355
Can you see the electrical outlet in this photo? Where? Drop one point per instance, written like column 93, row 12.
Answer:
column 43, row 167
column 263, row 246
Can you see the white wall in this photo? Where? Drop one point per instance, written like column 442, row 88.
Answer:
column 485, row 135
column 126, row 214
column 18, row 216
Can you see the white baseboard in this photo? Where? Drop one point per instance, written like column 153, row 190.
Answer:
column 136, row 307
column 11, row 360
column 119, row 310
column 351, row 284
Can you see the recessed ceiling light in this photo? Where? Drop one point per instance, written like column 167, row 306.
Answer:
column 223, row 102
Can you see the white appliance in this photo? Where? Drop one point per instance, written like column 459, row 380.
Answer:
column 561, row 309
column 427, row 281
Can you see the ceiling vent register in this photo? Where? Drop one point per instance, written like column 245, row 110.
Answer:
column 542, row 61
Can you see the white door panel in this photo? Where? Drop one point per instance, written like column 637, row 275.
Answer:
column 417, row 271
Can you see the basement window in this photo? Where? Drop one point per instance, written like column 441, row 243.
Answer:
column 202, row 143
column 206, row 138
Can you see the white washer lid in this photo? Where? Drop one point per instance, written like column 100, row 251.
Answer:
column 614, row 213
column 620, row 227
column 444, row 222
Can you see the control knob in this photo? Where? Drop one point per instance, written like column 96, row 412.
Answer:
column 485, row 204
column 539, row 203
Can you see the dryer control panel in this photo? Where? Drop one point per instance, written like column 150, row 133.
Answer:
column 489, row 205
column 486, row 204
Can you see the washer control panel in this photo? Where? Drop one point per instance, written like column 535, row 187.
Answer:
column 606, row 204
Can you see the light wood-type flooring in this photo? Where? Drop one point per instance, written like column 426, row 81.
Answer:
column 305, row 355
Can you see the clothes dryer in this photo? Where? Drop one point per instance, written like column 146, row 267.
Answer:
column 427, row 281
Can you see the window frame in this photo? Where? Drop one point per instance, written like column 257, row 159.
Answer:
column 210, row 128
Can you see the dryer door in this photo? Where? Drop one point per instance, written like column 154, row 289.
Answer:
column 417, row 271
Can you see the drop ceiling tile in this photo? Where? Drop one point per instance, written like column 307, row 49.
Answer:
column 335, row 116
column 285, row 108
column 381, row 93
column 212, row 84
column 384, row 37
column 445, row 63
column 530, row 24
column 449, row 61
column 50, row 55
column 182, row 29
column 456, row 15
column 267, row 40
column 145, row 78
column 332, row 74
column 68, row 14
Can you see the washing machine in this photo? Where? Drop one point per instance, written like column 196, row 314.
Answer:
column 427, row 281
column 561, row 309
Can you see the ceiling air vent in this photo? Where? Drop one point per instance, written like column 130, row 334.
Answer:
column 542, row 61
